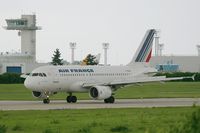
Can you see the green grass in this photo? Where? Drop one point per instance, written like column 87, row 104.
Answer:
column 150, row 90
column 159, row 90
column 147, row 120
column 14, row 92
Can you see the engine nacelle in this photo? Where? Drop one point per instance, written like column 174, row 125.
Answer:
column 100, row 92
column 38, row 94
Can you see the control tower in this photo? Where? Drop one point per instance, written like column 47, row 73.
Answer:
column 26, row 26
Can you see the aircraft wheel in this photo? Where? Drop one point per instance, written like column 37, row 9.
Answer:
column 46, row 101
column 69, row 99
column 106, row 100
column 109, row 100
column 73, row 99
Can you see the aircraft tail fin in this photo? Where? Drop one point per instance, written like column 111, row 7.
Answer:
column 144, row 51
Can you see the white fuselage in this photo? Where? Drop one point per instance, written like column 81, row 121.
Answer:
column 72, row 78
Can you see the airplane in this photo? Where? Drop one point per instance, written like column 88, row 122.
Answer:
column 100, row 82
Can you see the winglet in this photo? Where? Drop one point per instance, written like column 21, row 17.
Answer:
column 193, row 77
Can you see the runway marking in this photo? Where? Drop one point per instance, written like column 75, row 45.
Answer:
column 93, row 104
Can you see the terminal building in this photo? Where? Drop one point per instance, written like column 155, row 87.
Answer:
column 24, row 61
column 174, row 63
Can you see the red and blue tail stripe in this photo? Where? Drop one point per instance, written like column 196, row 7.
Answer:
column 144, row 52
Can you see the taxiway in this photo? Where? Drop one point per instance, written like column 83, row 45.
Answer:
column 93, row 104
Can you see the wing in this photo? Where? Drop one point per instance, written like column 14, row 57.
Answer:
column 145, row 80
column 134, row 81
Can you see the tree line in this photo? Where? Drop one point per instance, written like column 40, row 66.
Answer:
column 11, row 78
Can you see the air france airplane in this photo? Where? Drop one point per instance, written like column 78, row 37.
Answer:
column 99, row 81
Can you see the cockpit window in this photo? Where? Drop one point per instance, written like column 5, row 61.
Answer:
column 35, row 74
column 38, row 74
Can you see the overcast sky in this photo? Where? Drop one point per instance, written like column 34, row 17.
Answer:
column 89, row 23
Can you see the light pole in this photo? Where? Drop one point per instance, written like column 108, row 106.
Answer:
column 72, row 46
column 105, row 47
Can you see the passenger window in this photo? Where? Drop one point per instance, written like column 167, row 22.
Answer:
column 40, row 74
column 44, row 75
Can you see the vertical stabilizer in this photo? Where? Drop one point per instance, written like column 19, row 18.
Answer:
column 144, row 51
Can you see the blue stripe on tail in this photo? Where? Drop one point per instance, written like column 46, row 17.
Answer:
column 146, row 48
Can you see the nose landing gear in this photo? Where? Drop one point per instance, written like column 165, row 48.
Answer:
column 46, row 101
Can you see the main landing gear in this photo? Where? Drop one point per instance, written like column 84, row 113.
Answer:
column 71, row 99
column 111, row 99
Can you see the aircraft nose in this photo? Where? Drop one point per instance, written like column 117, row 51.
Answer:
column 27, row 83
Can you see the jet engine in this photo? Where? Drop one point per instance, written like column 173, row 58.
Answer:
column 100, row 92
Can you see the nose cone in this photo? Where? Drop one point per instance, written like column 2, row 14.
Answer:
column 27, row 83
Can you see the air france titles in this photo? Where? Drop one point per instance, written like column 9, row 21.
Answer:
column 75, row 70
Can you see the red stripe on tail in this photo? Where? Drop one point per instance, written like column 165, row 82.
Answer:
column 149, row 56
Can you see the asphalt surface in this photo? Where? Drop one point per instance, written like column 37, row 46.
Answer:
column 94, row 104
